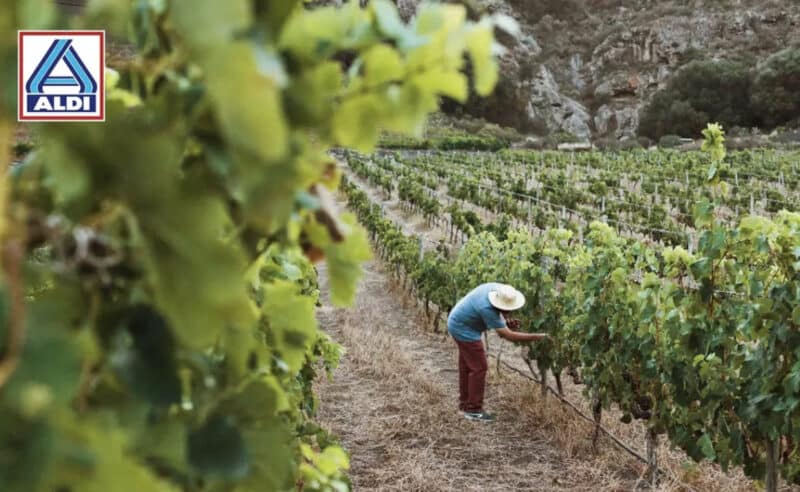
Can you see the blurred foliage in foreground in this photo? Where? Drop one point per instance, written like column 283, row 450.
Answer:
column 157, row 306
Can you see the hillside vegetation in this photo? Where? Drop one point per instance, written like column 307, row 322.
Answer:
column 592, row 68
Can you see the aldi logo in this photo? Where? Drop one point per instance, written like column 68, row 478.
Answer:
column 61, row 75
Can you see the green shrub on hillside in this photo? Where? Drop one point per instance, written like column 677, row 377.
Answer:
column 776, row 88
column 700, row 92
column 389, row 140
column 455, row 141
column 470, row 142
column 667, row 114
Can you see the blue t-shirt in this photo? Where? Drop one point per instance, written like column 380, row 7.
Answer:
column 474, row 314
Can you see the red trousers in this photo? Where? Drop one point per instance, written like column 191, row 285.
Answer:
column 472, row 367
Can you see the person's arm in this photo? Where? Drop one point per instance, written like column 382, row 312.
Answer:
column 516, row 336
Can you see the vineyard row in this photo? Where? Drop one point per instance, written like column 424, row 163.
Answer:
column 717, row 374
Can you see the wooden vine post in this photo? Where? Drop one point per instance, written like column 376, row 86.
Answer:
column 437, row 319
column 559, row 386
column 597, row 413
column 543, row 374
column 530, row 211
column 772, row 477
column 652, row 456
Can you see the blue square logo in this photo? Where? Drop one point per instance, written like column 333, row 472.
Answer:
column 61, row 76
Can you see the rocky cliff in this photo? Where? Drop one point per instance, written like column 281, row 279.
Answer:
column 587, row 66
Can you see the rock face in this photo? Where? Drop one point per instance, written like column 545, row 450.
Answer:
column 558, row 111
column 588, row 66
column 619, row 123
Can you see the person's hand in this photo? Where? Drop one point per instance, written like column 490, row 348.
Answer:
column 514, row 324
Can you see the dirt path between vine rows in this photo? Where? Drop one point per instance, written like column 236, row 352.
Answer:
column 393, row 403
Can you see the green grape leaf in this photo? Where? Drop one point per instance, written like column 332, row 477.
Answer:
column 22, row 469
column 382, row 64
column 261, row 398
column 308, row 98
column 408, row 107
column 356, row 123
column 245, row 92
column 142, row 354
column 164, row 440
column 217, row 449
column 271, row 461
column 345, row 261
column 275, row 13
column 389, row 19
column 248, row 101
column 207, row 24
column 290, row 320
column 51, row 359
column 447, row 83
column 707, row 447
column 68, row 177
column 714, row 138
column 704, row 213
column 36, row 14
column 712, row 173
column 479, row 43
column 315, row 34
column 331, row 460
column 188, row 274
column 92, row 456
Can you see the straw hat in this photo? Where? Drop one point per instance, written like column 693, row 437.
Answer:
column 506, row 298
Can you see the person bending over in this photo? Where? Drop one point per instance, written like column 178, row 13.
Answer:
column 486, row 307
